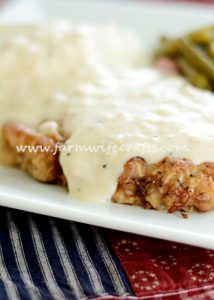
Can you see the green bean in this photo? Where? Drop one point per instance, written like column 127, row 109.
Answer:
column 211, row 50
column 200, row 60
column 196, row 78
column 194, row 53
column 168, row 48
column 202, row 36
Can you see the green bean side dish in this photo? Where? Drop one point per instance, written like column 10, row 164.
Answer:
column 193, row 54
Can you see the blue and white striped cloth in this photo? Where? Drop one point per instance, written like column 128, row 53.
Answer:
column 47, row 258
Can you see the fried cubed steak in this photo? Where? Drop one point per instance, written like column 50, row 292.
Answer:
column 173, row 184
column 42, row 165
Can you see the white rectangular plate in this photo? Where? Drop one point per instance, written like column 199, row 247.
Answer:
column 17, row 190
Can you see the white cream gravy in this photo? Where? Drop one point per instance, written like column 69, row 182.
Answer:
column 111, row 110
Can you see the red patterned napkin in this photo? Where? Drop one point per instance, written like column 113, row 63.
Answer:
column 165, row 270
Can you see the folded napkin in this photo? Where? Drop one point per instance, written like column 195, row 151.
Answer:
column 159, row 269
column 48, row 258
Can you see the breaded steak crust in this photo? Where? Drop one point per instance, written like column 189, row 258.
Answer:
column 174, row 184
column 42, row 165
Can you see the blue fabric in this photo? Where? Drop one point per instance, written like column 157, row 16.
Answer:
column 48, row 258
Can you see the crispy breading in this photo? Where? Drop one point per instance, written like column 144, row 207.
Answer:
column 42, row 165
column 174, row 184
